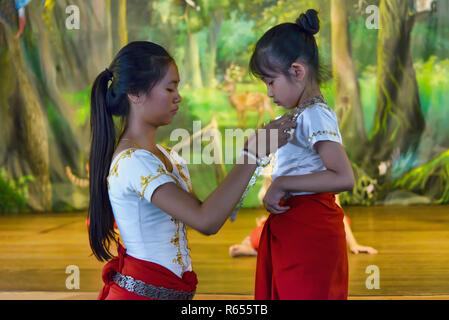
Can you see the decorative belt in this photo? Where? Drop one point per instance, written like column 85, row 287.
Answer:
column 147, row 290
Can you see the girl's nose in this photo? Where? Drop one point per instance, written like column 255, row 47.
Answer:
column 178, row 98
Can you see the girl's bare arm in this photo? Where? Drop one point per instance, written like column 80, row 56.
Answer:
column 337, row 177
column 209, row 216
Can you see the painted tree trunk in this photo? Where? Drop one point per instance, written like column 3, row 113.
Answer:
column 348, row 105
column 60, row 60
column 28, row 150
column 399, row 121
column 194, row 61
column 122, row 24
column 214, row 32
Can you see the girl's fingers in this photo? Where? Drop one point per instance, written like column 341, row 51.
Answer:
column 281, row 209
column 370, row 250
column 285, row 117
column 269, row 208
column 276, row 209
column 286, row 120
column 272, row 210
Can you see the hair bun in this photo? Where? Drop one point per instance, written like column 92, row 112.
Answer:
column 309, row 22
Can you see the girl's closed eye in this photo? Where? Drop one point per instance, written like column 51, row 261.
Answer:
column 267, row 81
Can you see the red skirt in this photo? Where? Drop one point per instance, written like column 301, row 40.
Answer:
column 254, row 236
column 302, row 253
column 160, row 280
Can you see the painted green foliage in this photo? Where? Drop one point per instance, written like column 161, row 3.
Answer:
column 402, row 71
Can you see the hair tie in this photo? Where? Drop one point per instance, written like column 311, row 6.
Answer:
column 109, row 74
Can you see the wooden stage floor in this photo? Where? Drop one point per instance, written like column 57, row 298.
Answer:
column 413, row 258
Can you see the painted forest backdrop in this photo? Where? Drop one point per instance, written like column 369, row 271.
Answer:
column 388, row 65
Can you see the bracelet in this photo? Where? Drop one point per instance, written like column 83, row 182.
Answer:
column 263, row 163
column 250, row 155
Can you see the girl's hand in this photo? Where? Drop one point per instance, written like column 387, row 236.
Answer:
column 283, row 126
column 273, row 196
column 356, row 249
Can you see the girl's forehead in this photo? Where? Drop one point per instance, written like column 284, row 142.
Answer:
column 172, row 74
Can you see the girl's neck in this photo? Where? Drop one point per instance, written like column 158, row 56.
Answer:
column 311, row 90
column 141, row 139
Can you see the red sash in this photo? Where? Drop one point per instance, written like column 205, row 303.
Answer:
column 148, row 272
column 302, row 253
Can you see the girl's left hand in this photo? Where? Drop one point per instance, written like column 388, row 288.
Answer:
column 273, row 196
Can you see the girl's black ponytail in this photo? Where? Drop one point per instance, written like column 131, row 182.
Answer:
column 101, row 227
column 137, row 68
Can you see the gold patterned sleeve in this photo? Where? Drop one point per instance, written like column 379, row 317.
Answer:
column 319, row 123
column 145, row 173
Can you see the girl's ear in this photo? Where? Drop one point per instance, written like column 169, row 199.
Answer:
column 135, row 98
column 298, row 71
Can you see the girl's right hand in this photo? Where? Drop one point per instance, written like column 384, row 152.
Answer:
column 283, row 126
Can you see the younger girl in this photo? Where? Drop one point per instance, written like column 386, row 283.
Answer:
column 145, row 187
column 302, row 252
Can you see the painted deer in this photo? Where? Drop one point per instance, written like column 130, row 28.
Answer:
column 245, row 101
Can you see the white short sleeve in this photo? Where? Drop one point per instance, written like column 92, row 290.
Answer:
column 319, row 123
column 144, row 173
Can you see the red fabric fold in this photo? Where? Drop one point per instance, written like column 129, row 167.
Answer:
column 148, row 272
column 302, row 253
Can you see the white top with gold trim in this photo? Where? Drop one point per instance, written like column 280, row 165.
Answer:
column 317, row 122
column 147, row 232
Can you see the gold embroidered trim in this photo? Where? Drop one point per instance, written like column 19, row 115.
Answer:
column 126, row 154
column 176, row 242
column 321, row 133
column 145, row 181
column 319, row 105
column 183, row 176
column 180, row 167
column 169, row 150
column 318, row 133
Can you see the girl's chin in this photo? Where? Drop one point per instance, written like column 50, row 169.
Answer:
column 281, row 105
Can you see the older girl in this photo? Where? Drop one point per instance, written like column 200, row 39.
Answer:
column 145, row 187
